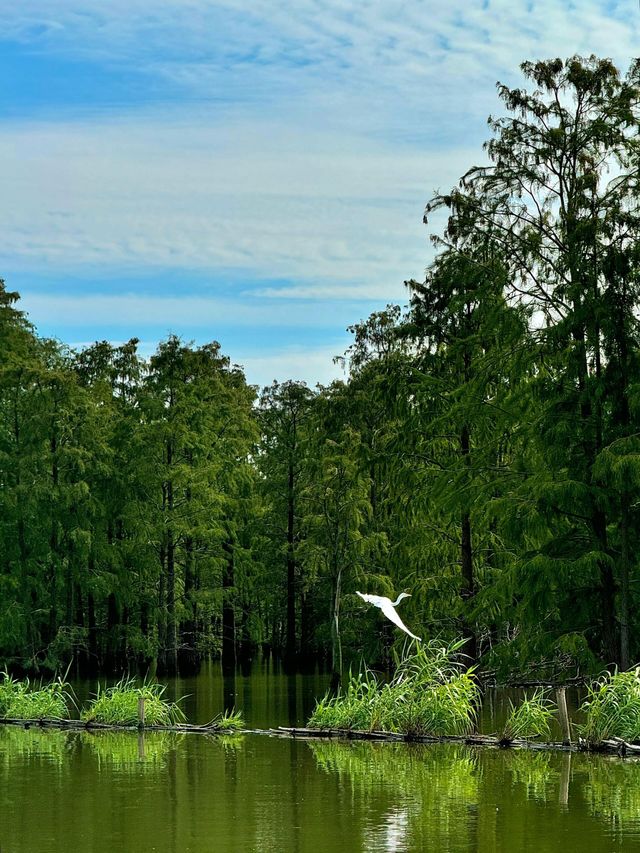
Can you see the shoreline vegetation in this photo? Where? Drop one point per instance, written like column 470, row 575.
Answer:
column 123, row 706
column 434, row 697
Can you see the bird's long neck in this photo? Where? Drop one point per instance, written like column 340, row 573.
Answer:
column 398, row 599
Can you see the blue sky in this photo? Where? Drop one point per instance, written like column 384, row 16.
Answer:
column 250, row 172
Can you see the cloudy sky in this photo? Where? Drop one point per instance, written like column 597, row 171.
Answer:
column 249, row 171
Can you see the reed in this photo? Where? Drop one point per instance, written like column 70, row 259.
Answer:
column 228, row 722
column 20, row 700
column 612, row 707
column 118, row 705
column 431, row 693
column 531, row 718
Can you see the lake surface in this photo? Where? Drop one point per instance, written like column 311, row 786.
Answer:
column 62, row 792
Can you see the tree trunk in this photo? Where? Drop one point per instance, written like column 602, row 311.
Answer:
column 625, row 561
column 336, row 642
column 228, row 611
column 610, row 646
column 291, row 567
column 188, row 656
column 467, row 590
column 172, row 628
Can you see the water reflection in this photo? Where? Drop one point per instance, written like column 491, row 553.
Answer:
column 612, row 791
column 130, row 752
column 420, row 797
column 452, row 797
column 105, row 791
column 534, row 772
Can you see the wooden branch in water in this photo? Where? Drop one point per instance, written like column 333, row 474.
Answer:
column 81, row 725
column 614, row 745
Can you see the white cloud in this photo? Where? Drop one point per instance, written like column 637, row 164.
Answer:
column 173, row 314
column 144, row 194
column 296, row 143
column 300, row 364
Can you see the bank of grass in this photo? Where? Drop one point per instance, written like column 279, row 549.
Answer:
column 612, row 708
column 112, row 706
column 20, row 700
column 531, row 718
column 431, row 693
column 118, row 705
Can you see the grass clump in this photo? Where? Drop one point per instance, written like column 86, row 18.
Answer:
column 228, row 721
column 430, row 694
column 118, row 705
column 612, row 707
column 531, row 718
column 19, row 700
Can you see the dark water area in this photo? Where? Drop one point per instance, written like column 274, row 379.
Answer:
column 62, row 792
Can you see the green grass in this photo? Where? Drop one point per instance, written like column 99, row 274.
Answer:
column 430, row 694
column 118, row 705
column 612, row 707
column 228, row 722
column 19, row 700
column 531, row 718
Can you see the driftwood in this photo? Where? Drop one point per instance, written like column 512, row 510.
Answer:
column 81, row 725
column 614, row 745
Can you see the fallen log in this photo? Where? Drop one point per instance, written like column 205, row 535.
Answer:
column 610, row 746
column 81, row 725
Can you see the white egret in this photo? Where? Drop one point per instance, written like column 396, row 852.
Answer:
column 388, row 608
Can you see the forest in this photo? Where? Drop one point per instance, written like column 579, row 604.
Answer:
column 483, row 452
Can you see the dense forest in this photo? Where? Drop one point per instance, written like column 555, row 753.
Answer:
column 483, row 454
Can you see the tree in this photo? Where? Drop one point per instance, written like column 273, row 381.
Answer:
column 563, row 167
column 283, row 417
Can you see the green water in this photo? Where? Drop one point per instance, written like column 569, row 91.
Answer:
column 65, row 792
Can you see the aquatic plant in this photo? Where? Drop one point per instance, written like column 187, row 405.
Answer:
column 118, row 705
column 430, row 693
column 228, row 721
column 531, row 718
column 612, row 707
column 19, row 700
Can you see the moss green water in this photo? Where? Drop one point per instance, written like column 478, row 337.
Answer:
column 62, row 792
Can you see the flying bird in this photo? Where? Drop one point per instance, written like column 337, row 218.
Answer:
column 388, row 607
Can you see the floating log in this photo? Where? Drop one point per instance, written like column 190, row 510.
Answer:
column 614, row 745
column 81, row 725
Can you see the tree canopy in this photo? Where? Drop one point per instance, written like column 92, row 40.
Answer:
column 482, row 453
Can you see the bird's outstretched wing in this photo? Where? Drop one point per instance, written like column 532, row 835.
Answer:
column 390, row 613
column 372, row 599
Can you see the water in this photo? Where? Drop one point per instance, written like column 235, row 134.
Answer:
column 62, row 792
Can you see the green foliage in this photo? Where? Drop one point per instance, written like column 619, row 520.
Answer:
column 19, row 700
column 483, row 451
column 430, row 694
column 612, row 707
column 118, row 705
column 531, row 718
column 229, row 722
